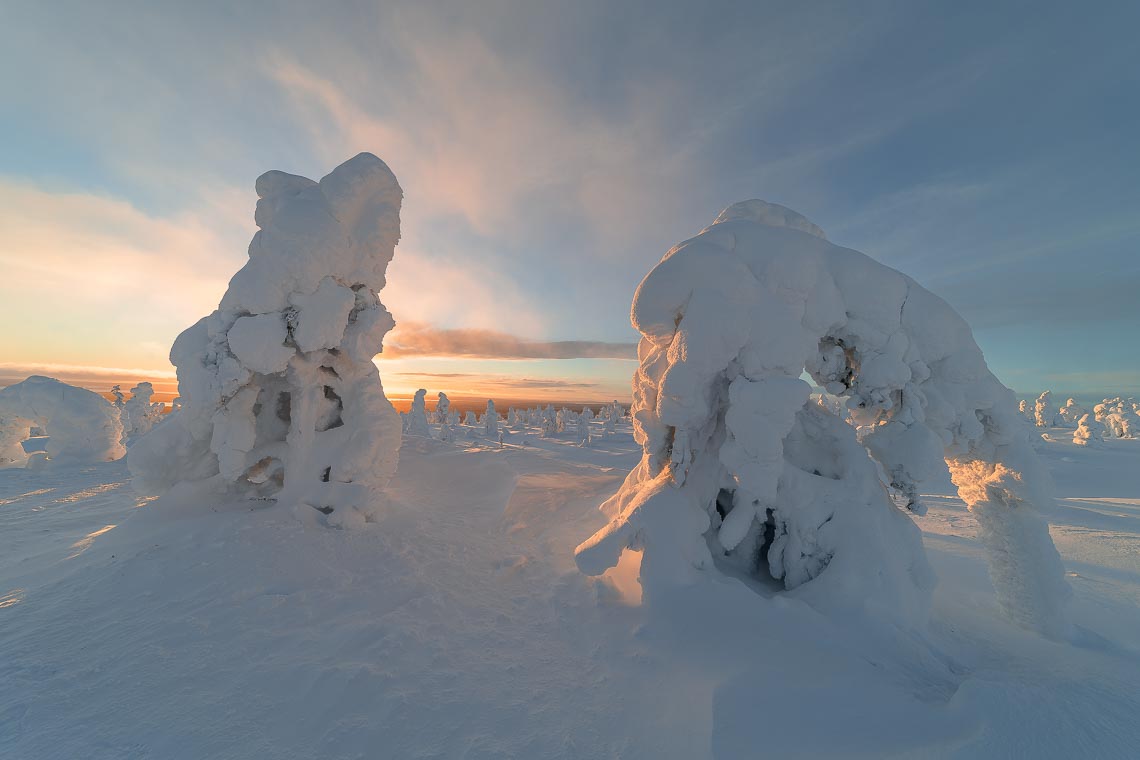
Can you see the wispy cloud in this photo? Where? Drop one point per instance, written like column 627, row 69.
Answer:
column 502, row 381
column 418, row 339
column 99, row 268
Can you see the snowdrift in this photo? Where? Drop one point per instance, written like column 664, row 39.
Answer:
column 741, row 470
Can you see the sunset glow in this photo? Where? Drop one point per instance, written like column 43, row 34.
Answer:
column 538, row 191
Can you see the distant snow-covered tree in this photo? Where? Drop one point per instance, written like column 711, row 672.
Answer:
column 1025, row 409
column 491, row 420
column 442, row 405
column 1119, row 416
column 583, row 430
column 1089, row 432
column 141, row 414
column 1043, row 411
column 1072, row 412
column 417, row 423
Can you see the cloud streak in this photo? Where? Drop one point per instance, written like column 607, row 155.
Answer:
column 502, row 381
column 417, row 339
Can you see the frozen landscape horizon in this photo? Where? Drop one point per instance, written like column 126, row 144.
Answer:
column 616, row 382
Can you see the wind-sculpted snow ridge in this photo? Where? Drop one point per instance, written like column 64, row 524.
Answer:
column 740, row 470
column 279, row 393
column 82, row 427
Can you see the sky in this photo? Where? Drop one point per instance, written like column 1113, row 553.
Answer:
column 550, row 153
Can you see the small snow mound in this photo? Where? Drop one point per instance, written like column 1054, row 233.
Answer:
column 771, row 214
column 82, row 427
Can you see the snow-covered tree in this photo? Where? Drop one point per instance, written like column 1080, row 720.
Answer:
column 1025, row 408
column 582, row 430
column 512, row 417
column 740, row 469
column 446, row 434
column 281, row 397
column 469, row 418
column 547, row 422
column 139, row 413
column 1089, row 432
column 1120, row 417
column 491, row 420
column 120, row 399
column 442, row 407
column 1043, row 412
column 417, row 422
column 82, row 426
column 1071, row 413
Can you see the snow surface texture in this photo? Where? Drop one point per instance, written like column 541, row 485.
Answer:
column 456, row 626
column 279, row 393
column 741, row 470
column 81, row 425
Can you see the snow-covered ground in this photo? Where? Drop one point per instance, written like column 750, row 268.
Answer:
column 457, row 625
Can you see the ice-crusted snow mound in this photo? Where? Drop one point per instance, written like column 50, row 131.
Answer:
column 81, row 425
column 741, row 470
column 279, row 393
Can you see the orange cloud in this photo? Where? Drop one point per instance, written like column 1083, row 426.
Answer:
column 418, row 339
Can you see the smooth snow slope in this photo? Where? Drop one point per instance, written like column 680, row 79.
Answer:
column 458, row 626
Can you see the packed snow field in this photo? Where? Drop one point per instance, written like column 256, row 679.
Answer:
column 457, row 625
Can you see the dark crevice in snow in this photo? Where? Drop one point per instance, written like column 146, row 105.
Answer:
column 283, row 410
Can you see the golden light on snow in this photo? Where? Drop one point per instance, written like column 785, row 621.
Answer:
column 84, row 543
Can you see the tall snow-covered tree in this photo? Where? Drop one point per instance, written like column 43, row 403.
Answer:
column 281, row 398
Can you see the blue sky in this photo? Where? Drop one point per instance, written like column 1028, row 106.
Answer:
column 551, row 155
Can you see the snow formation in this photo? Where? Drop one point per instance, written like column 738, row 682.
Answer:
column 442, row 405
column 491, row 420
column 81, row 425
column 1043, row 412
column 741, row 471
column 1119, row 416
column 1071, row 413
column 139, row 413
column 280, row 396
column 416, row 421
column 1089, row 432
